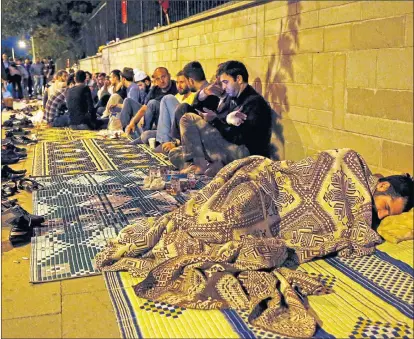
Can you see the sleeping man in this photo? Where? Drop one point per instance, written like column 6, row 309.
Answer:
column 233, row 244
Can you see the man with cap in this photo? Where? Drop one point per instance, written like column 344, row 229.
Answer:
column 135, row 97
column 142, row 80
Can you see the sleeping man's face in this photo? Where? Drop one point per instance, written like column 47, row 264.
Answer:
column 385, row 203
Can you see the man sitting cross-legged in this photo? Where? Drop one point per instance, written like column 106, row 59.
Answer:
column 82, row 113
column 56, row 105
column 151, row 108
column 116, row 94
column 135, row 97
column 208, row 142
column 207, row 98
column 168, row 105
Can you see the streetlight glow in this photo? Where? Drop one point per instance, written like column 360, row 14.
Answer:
column 22, row 44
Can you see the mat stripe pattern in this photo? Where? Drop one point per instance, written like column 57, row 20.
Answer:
column 91, row 155
column 352, row 309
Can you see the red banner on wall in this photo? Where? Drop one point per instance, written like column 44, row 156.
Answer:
column 124, row 11
column 165, row 4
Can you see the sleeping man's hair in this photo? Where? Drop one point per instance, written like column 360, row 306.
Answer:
column 401, row 186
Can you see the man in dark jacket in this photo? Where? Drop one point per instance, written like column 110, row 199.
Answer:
column 150, row 110
column 209, row 142
column 82, row 113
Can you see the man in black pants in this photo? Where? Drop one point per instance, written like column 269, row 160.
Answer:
column 210, row 142
column 82, row 113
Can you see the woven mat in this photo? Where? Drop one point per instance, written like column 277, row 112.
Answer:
column 82, row 211
column 371, row 297
column 91, row 155
column 63, row 134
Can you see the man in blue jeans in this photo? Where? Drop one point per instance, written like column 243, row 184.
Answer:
column 37, row 74
column 168, row 105
column 134, row 100
column 151, row 108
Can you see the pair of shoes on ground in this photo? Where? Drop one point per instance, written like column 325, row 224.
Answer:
column 11, row 156
column 16, row 131
column 21, row 221
column 19, row 139
column 23, row 228
column 7, row 173
column 7, row 144
column 13, row 122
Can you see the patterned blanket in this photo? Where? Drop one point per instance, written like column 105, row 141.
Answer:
column 234, row 243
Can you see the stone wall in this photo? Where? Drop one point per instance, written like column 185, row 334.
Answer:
column 339, row 73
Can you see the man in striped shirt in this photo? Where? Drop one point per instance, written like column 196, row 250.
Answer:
column 54, row 106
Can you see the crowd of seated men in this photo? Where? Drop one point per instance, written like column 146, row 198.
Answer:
column 201, row 126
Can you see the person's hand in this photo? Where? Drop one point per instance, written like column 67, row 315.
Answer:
column 114, row 106
column 213, row 89
column 236, row 118
column 208, row 114
column 130, row 129
column 141, row 123
column 168, row 146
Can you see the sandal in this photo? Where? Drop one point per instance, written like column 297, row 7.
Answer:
column 9, row 189
column 30, row 185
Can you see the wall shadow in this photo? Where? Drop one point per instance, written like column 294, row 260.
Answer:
column 280, row 70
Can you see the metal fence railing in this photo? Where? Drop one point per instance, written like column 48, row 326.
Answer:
column 105, row 24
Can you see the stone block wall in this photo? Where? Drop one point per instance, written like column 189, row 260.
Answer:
column 339, row 73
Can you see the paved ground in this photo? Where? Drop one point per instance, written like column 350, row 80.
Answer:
column 76, row 308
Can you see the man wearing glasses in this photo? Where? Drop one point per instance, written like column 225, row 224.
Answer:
column 150, row 111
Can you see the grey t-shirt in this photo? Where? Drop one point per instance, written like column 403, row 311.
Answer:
column 37, row 69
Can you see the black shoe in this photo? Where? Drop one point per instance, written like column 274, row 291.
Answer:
column 10, row 146
column 11, row 170
column 8, row 123
column 25, row 122
column 18, row 131
column 22, row 140
column 27, row 221
column 12, row 153
column 7, row 158
column 9, row 174
column 15, row 215
column 17, row 236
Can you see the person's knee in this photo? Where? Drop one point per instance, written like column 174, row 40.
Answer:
column 187, row 119
column 153, row 105
column 168, row 98
column 182, row 109
column 146, row 135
